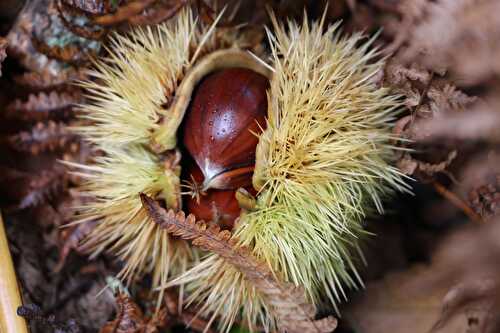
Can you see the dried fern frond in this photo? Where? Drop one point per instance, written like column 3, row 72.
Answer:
column 42, row 137
column 129, row 97
column 323, row 164
column 286, row 302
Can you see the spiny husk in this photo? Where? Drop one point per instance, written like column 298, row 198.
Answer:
column 123, row 226
column 139, row 78
column 128, row 99
column 323, row 163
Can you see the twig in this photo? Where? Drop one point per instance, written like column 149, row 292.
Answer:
column 10, row 296
column 456, row 201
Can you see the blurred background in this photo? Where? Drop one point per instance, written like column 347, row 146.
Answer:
column 433, row 262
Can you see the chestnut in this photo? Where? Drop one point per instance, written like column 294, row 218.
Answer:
column 227, row 110
column 218, row 206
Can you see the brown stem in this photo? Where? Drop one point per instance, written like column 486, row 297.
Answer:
column 10, row 296
column 456, row 201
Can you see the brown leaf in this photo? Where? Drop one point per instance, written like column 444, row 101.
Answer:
column 124, row 12
column 129, row 317
column 288, row 303
column 90, row 7
column 485, row 199
column 157, row 14
column 52, row 37
column 408, row 301
column 479, row 123
column 175, row 314
column 412, row 12
column 21, row 46
column 76, row 20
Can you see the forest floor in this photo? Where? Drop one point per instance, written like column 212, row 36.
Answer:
column 432, row 262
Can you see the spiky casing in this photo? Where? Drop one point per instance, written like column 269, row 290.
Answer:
column 323, row 164
column 127, row 99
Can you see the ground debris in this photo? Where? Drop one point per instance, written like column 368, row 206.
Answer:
column 33, row 312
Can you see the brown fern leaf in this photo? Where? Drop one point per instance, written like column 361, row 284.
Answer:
column 38, row 81
column 89, row 8
column 129, row 317
column 124, row 12
column 42, row 137
column 287, row 302
column 76, row 21
column 23, row 190
column 41, row 106
column 46, row 185
column 147, row 12
column 71, row 54
column 52, row 38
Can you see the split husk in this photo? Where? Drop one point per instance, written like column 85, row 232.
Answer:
column 323, row 162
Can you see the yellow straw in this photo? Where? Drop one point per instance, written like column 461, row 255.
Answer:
column 10, row 297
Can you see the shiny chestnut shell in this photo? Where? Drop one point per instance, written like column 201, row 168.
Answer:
column 218, row 206
column 227, row 109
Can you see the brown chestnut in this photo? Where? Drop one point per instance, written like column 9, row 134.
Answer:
column 227, row 109
column 218, row 206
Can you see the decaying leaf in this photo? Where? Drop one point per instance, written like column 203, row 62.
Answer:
column 123, row 13
column 129, row 318
column 293, row 312
column 485, row 199
column 91, row 7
